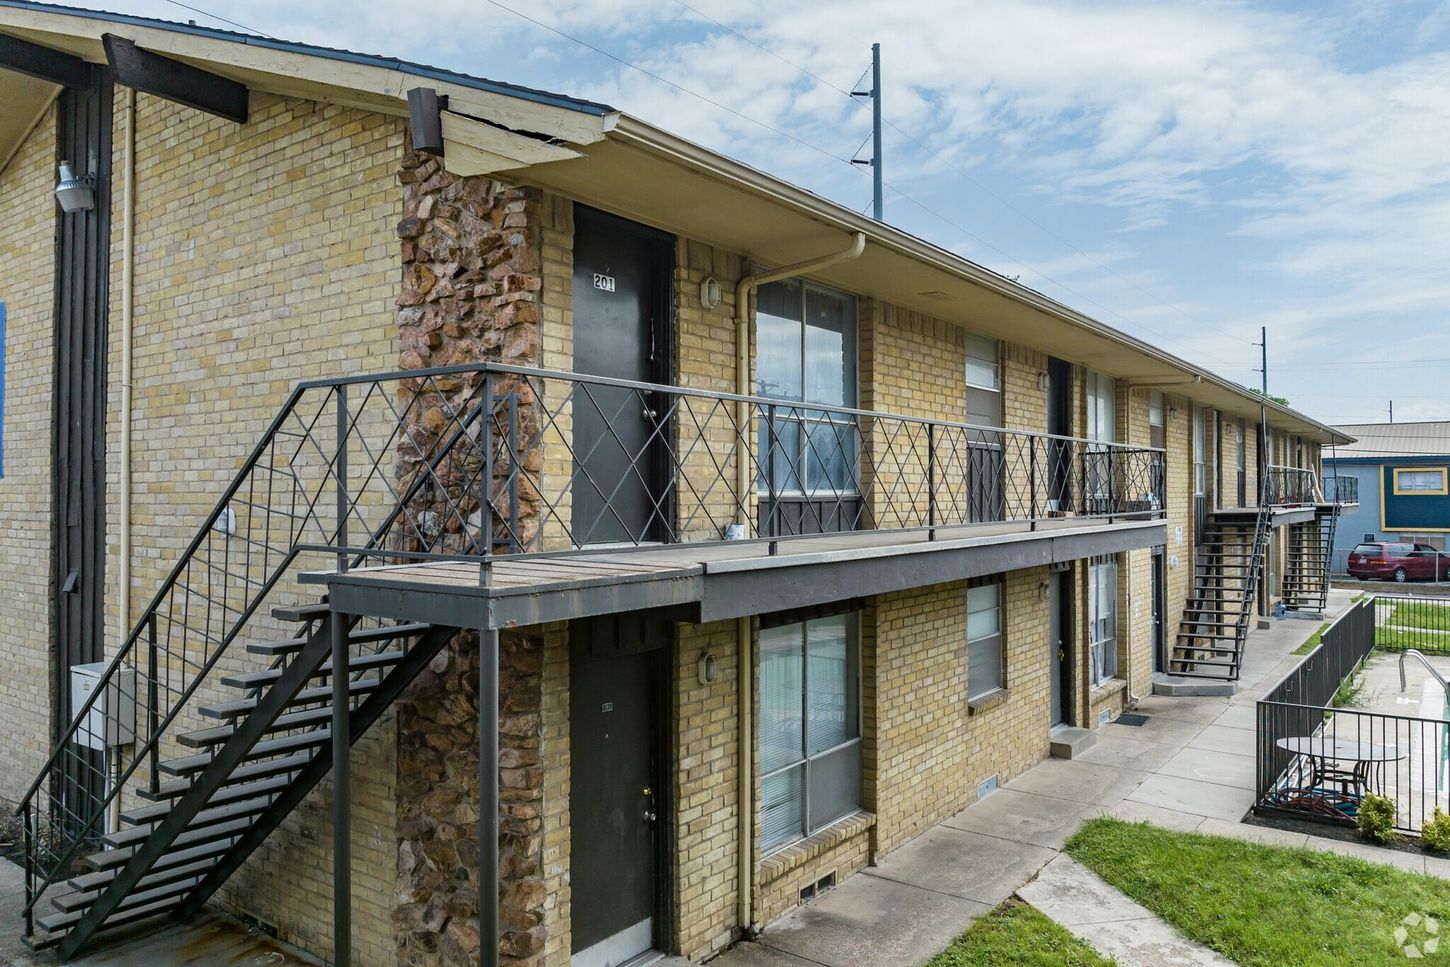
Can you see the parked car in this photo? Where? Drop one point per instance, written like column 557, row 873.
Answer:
column 1394, row 561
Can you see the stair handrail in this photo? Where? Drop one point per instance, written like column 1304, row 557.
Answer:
column 26, row 804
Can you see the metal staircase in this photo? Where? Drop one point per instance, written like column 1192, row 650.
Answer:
column 215, row 716
column 1227, row 568
column 1305, row 585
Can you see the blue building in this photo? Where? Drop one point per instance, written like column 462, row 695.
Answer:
column 1402, row 471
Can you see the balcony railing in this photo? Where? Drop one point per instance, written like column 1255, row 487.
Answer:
column 1290, row 486
column 578, row 461
column 1341, row 490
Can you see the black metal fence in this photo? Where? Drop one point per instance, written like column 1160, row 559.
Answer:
column 1341, row 490
column 1420, row 622
column 1319, row 760
column 1289, row 486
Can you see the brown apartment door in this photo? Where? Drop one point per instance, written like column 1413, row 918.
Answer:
column 622, row 275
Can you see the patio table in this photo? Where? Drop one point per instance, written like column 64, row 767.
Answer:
column 1328, row 752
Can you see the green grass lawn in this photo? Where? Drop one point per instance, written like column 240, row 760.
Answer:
column 1016, row 935
column 1312, row 641
column 1262, row 906
column 1420, row 614
column 1399, row 639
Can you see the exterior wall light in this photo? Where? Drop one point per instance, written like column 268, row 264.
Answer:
column 710, row 292
column 1042, row 382
column 709, row 669
column 76, row 193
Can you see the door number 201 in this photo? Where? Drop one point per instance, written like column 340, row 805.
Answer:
column 604, row 282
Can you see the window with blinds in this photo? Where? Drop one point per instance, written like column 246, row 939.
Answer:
column 1103, row 618
column 806, row 353
column 809, row 727
column 985, row 672
column 984, row 381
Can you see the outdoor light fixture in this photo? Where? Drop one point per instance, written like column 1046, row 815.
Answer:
column 75, row 193
column 709, row 669
column 1042, row 381
column 710, row 292
column 1044, row 590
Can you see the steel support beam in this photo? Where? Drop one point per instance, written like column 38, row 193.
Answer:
column 46, row 63
column 154, row 74
column 341, row 793
column 488, row 798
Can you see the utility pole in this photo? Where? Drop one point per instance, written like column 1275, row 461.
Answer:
column 877, row 208
column 1392, row 411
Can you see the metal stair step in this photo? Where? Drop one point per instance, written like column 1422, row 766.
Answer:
column 203, row 738
column 124, row 914
column 308, row 696
column 94, row 882
column 250, row 680
column 302, row 612
column 248, row 790
column 189, row 764
column 206, row 817
column 359, row 637
column 257, row 770
column 68, row 902
column 106, row 859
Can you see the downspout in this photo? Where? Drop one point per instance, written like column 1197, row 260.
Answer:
column 745, row 763
column 128, row 266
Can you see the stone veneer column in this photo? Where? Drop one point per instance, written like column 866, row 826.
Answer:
column 471, row 251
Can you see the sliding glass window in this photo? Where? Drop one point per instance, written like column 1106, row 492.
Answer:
column 806, row 354
column 810, row 727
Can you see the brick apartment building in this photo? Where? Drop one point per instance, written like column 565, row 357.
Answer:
column 740, row 537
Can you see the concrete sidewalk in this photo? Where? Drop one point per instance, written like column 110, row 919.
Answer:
column 1190, row 768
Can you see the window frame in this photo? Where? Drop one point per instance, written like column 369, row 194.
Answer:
column 806, row 415
column 805, row 827
column 1097, row 643
column 1440, row 490
column 996, row 389
column 999, row 637
column 1199, row 444
column 1157, row 420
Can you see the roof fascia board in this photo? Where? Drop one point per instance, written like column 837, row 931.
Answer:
column 300, row 70
column 649, row 138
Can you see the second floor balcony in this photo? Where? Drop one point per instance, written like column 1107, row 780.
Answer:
column 506, row 470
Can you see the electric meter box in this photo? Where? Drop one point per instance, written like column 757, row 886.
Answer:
column 111, row 721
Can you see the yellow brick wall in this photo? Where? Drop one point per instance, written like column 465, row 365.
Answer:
column 706, row 438
column 706, row 821
column 26, row 288
column 264, row 254
column 928, row 751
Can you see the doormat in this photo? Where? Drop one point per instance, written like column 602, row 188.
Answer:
column 1131, row 718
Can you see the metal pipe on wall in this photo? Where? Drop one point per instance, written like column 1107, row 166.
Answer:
column 745, row 674
column 128, row 292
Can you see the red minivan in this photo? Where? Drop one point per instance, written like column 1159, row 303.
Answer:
column 1393, row 561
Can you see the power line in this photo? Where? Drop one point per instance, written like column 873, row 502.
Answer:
column 233, row 23
column 666, row 81
column 835, row 157
column 937, row 155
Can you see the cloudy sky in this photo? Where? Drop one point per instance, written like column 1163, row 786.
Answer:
column 1187, row 172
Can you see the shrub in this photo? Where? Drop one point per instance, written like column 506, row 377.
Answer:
column 1376, row 818
column 1436, row 833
